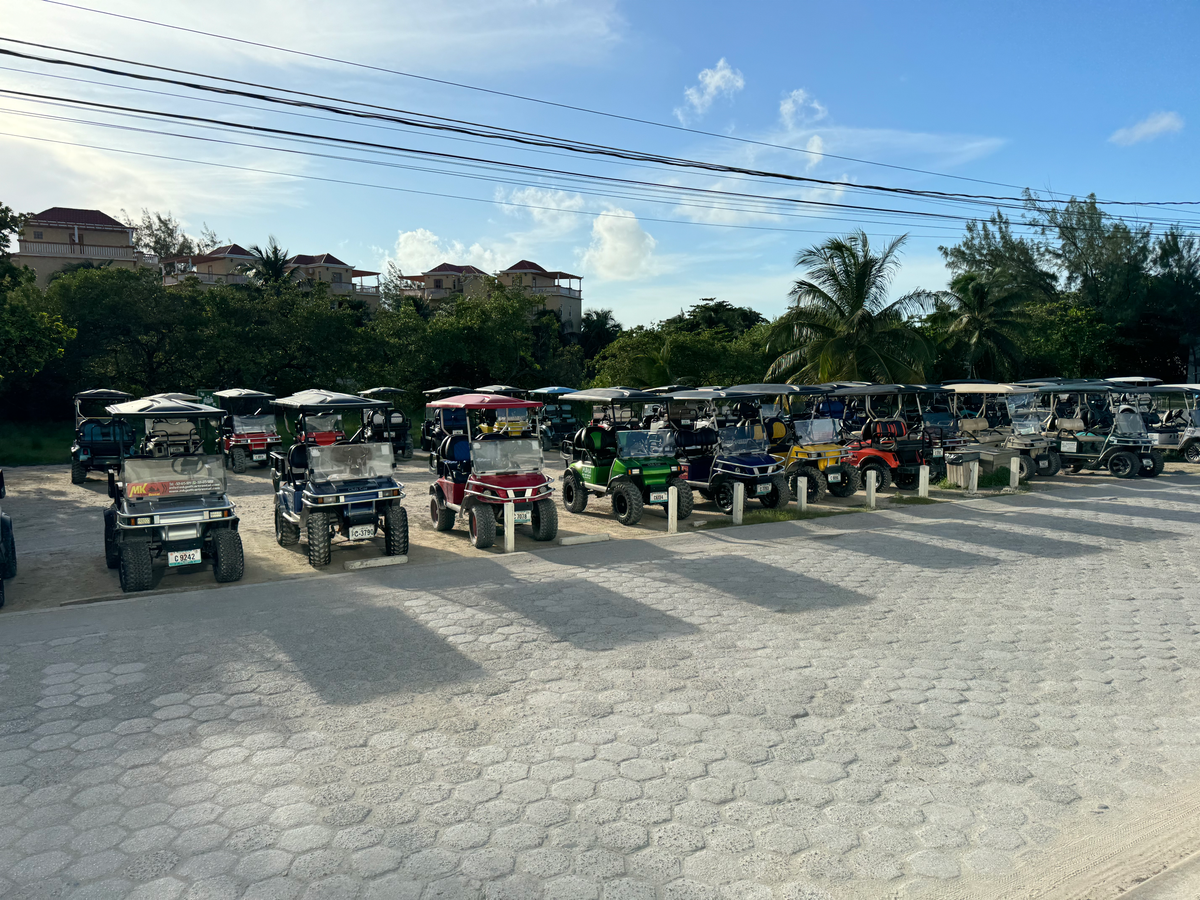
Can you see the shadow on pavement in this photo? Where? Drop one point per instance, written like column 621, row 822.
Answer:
column 774, row 587
column 910, row 549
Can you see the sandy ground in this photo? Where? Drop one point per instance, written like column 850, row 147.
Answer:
column 59, row 531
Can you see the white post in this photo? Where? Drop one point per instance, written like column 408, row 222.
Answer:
column 739, row 501
column 973, row 476
column 802, row 493
column 510, row 527
column 871, row 476
column 1014, row 472
column 923, row 482
column 672, row 510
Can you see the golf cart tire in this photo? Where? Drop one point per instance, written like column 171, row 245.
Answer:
column 1192, row 452
column 9, row 569
column 544, row 519
column 722, row 491
column 136, row 568
column 78, row 472
column 481, row 525
column 395, row 530
column 850, row 484
column 574, row 494
column 442, row 516
column 1027, row 468
column 1, row 593
column 907, row 481
column 229, row 561
column 1124, row 464
column 287, row 534
column 319, row 539
column 237, row 460
column 627, row 503
column 408, row 449
column 884, row 481
column 1055, row 463
column 687, row 501
column 818, row 486
column 112, row 550
column 779, row 494
column 1155, row 469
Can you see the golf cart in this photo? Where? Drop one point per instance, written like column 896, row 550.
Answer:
column 1092, row 428
column 8, row 546
column 1009, row 417
column 617, row 454
column 167, row 505
column 884, row 426
column 248, row 431
column 428, row 438
column 388, row 425
column 723, row 441
column 1174, row 419
column 557, row 420
column 506, row 390
column 343, row 487
column 490, row 457
column 100, row 440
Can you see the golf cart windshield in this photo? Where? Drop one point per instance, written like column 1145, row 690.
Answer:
column 511, row 456
column 1130, row 424
column 253, row 424
column 513, row 421
column 181, row 476
column 1026, row 413
column 317, row 423
column 645, row 443
column 743, row 439
column 349, row 462
column 815, row 431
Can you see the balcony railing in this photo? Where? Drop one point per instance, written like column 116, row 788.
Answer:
column 205, row 278
column 556, row 291
column 93, row 251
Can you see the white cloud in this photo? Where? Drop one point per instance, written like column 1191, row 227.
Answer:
column 1153, row 126
column 620, row 250
column 420, row 250
column 815, row 147
column 799, row 108
column 720, row 81
column 550, row 209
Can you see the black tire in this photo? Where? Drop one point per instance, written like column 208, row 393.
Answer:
column 818, row 486
column 1155, row 468
column 907, row 481
column 319, row 539
column 687, row 502
column 237, row 460
column 850, row 484
column 395, row 529
column 544, row 519
column 9, row 568
column 884, row 480
column 1028, row 468
column 407, row 453
column 779, row 494
column 442, row 517
column 481, row 523
column 136, row 569
column 1124, row 464
column 1192, row 452
column 1055, row 463
column 112, row 550
column 78, row 472
column 1, row 593
column 1077, row 467
column 287, row 534
column 627, row 503
column 574, row 494
column 229, row 561
column 722, row 491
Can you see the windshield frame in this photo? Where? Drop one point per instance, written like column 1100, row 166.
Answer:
column 166, row 478
column 235, row 420
column 333, row 463
column 507, row 456
column 665, row 437
column 738, row 439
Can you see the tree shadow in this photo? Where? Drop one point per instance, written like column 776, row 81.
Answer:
column 1116, row 508
column 1010, row 541
column 1088, row 528
column 911, row 550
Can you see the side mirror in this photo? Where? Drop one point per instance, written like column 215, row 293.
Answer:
column 112, row 484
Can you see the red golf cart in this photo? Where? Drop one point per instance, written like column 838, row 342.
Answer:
column 488, row 456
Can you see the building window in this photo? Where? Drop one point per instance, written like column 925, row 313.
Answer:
column 437, row 284
column 336, row 277
column 37, row 235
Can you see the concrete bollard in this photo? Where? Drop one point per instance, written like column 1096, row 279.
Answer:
column 802, row 493
column 739, row 502
column 871, row 476
column 923, row 482
column 672, row 510
column 973, row 477
column 1014, row 472
column 510, row 527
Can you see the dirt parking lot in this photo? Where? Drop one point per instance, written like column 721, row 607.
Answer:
column 59, row 531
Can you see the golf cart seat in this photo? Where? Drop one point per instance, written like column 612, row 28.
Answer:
column 974, row 426
column 455, row 453
column 777, row 431
column 297, row 459
column 598, row 443
column 1074, row 425
column 692, row 442
column 106, row 437
column 884, row 430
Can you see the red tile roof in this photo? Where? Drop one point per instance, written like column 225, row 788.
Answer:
column 84, row 218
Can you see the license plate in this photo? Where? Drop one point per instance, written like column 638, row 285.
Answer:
column 1147, row 461
column 762, row 489
column 362, row 532
column 258, row 457
column 834, row 477
column 938, row 452
column 1043, row 463
column 183, row 557
column 658, row 496
column 523, row 517
column 1069, row 446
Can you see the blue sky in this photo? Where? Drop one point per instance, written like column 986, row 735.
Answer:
column 1055, row 96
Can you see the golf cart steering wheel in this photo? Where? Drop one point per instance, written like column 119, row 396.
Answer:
column 187, row 465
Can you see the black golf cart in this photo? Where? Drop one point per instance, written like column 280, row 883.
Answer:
column 169, row 506
column 388, row 425
column 248, row 432
column 346, row 487
column 557, row 418
column 100, row 440
column 428, row 439
column 8, row 546
column 1094, row 427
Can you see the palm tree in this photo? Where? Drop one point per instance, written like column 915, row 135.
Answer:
column 982, row 317
column 269, row 265
column 655, row 365
column 841, row 325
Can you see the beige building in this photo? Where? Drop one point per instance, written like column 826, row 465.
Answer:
column 559, row 292
column 230, row 264
column 59, row 237
column 343, row 279
column 221, row 265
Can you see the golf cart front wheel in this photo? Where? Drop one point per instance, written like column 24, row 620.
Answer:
column 112, row 550
column 883, row 474
column 443, row 518
column 136, row 569
column 229, row 562
column 687, row 502
column 395, row 529
column 408, row 449
column 778, row 495
column 78, row 472
column 481, row 523
column 544, row 519
column 907, row 481
column 287, row 534
column 1156, row 465
column 627, row 503
column 574, row 494
column 1055, row 463
column 723, row 495
column 1124, row 464
column 237, row 460
column 818, row 485
column 319, row 539
column 1027, row 467
column 850, row 483
column 1192, row 452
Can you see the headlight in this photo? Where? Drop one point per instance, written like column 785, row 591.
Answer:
column 220, row 513
column 635, row 471
column 674, row 468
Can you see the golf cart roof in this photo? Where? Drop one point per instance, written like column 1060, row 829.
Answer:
column 242, row 394
column 174, row 395
column 767, row 389
column 1082, row 385
column 1135, row 381
column 163, row 408
column 669, row 389
column 484, row 401
column 448, row 391
column 988, row 387
column 613, row 395
column 103, row 394
column 862, row 390
column 709, row 394
column 499, row 389
column 381, row 392
column 322, row 401
column 1173, row 388
column 954, row 381
column 555, row 390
